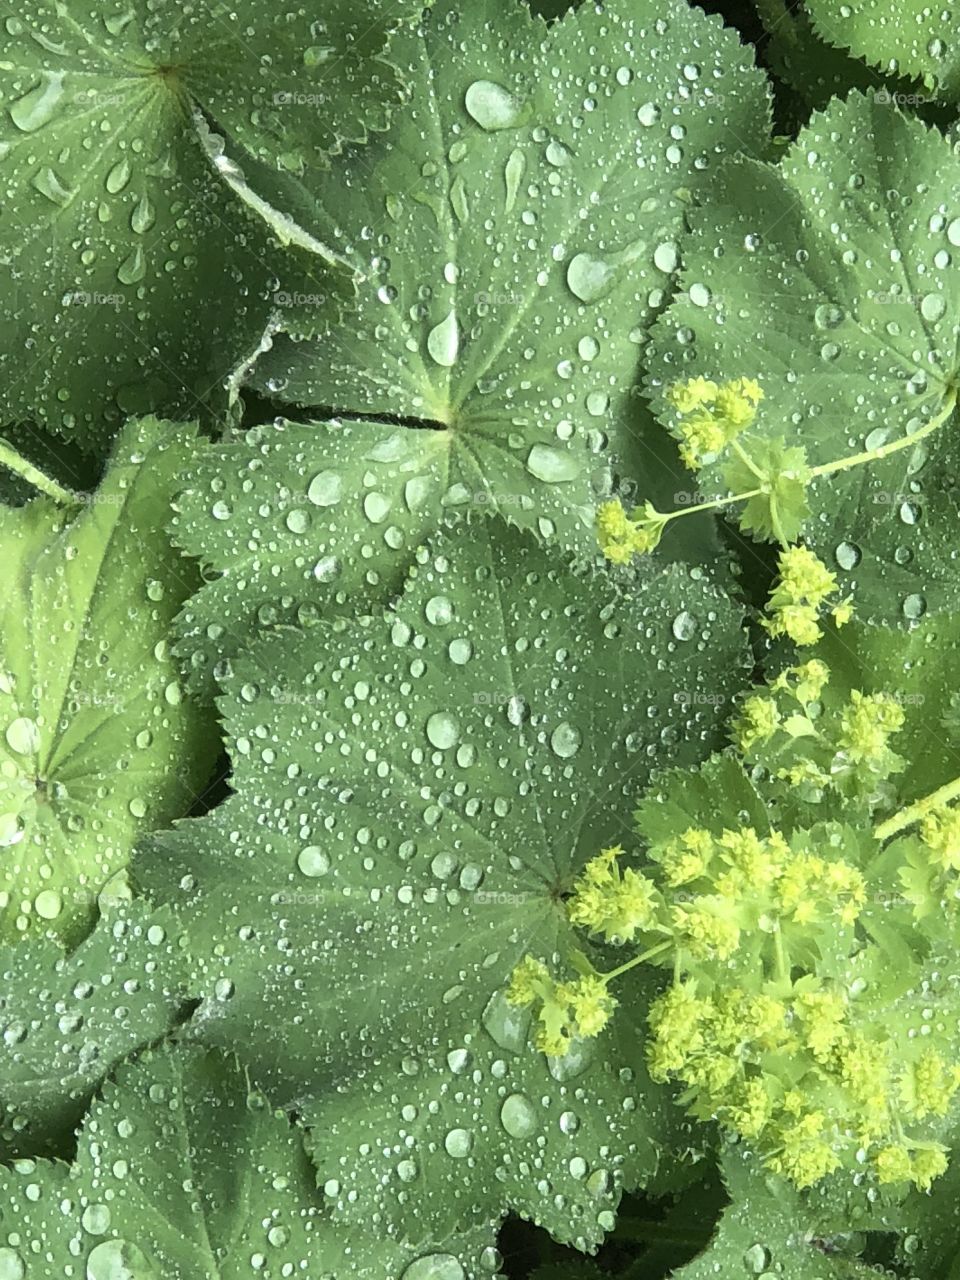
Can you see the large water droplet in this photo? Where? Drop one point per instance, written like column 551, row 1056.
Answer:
column 553, row 466
column 565, row 740
column 493, row 107
column 589, row 278
column 443, row 730
column 23, row 736
column 518, row 1116
column 443, row 342
column 326, row 489
column 34, row 109
column 435, row 1266
column 118, row 1260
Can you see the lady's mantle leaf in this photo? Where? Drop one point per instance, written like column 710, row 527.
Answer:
column 184, row 1172
column 770, row 1229
column 415, row 793
column 114, row 220
column 833, row 280
column 96, row 743
column 70, row 1018
column 517, row 229
column 911, row 38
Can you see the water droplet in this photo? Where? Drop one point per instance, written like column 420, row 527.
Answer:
column 458, row 1143
column 435, row 1266
column 508, row 1026
column 756, row 1259
column 119, row 176
column 326, row 489
column 493, row 107
column 589, row 278
column 313, row 861
column 23, row 736
column 847, row 555
column 666, row 257
column 118, row 1260
column 133, row 268
column 443, row 341
column 552, row 466
column 443, row 730
column 519, row 1117
column 48, row 184
column 36, row 108
column 11, row 1265
column 565, row 740
column 684, row 626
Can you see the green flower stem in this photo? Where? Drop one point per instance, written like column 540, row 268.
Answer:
column 19, row 465
column 712, row 505
column 827, row 469
column 641, row 959
column 895, row 446
column 914, row 812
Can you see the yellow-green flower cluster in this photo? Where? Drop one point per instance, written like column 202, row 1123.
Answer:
column 622, row 537
column 940, row 833
column 805, row 585
column 814, row 748
column 789, row 1069
column 710, row 415
column 612, row 903
column 565, row 1010
column 867, row 724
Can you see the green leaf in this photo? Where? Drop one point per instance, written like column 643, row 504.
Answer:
column 70, row 1017
column 505, row 292
column 770, row 1229
column 815, row 69
column 414, row 795
column 184, row 1170
column 831, row 280
column 96, row 742
column 908, row 39
column 116, row 227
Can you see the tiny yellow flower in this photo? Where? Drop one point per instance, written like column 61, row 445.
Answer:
column 757, row 722
column 608, row 902
column 690, row 395
column 929, row 1163
column 940, row 832
column 805, row 1156
column 866, row 725
column 893, row 1164
column 686, row 858
column 592, row 1005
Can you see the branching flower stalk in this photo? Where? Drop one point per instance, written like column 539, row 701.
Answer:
column 768, row 478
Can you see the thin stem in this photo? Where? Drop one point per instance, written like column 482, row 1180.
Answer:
column 827, row 469
column 895, row 446
column 710, row 506
column 914, row 812
column 632, row 964
column 747, row 461
column 20, row 466
column 783, row 969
